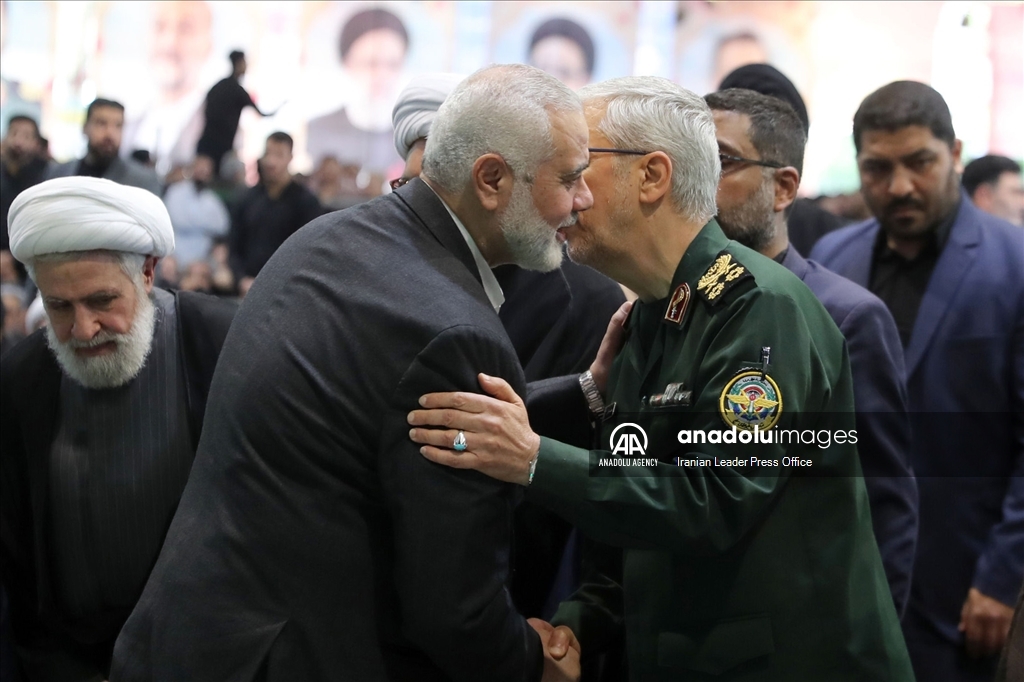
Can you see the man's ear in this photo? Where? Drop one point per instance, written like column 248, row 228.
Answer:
column 656, row 181
column 492, row 181
column 956, row 149
column 982, row 197
column 787, row 182
column 149, row 272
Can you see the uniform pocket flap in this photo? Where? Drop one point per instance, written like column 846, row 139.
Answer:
column 719, row 648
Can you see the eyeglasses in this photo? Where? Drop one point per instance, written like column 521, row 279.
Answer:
column 731, row 163
column 609, row 150
column 398, row 182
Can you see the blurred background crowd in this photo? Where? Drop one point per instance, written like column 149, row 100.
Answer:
column 289, row 103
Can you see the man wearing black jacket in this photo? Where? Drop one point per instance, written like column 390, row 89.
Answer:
column 102, row 413
column 313, row 541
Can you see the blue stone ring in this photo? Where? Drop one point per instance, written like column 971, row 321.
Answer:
column 460, row 442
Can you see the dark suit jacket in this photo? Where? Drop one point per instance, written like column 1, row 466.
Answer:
column 313, row 541
column 556, row 321
column 49, row 645
column 122, row 171
column 965, row 381
column 883, row 424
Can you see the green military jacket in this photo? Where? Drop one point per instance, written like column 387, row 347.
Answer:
column 728, row 561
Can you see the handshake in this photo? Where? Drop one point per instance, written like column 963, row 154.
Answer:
column 561, row 652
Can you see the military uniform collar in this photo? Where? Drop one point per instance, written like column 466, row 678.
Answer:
column 699, row 256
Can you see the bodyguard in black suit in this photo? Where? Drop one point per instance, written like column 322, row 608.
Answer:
column 313, row 542
column 762, row 154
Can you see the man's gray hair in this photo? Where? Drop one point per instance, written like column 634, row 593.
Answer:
column 504, row 110
column 131, row 263
column 654, row 114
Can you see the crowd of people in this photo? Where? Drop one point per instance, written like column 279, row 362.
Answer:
column 247, row 435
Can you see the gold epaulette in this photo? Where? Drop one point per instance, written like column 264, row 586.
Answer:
column 724, row 274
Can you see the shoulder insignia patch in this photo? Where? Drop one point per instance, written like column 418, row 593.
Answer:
column 750, row 399
column 723, row 275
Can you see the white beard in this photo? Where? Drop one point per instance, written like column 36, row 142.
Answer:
column 532, row 243
column 114, row 369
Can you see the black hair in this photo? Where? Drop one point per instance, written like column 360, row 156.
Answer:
column 986, row 170
column 368, row 20
column 21, row 118
column 100, row 102
column 569, row 29
column 282, row 137
column 775, row 129
column 768, row 80
column 902, row 104
column 236, row 56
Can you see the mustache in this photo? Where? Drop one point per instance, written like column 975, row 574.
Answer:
column 98, row 340
column 573, row 218
column 905, row 202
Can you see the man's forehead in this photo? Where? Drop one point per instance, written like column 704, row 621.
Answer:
column 732, row 129
column 899, row 142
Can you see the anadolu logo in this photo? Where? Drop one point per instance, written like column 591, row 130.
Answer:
column 628, row 439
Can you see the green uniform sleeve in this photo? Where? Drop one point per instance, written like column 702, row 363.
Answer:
column 703, row 510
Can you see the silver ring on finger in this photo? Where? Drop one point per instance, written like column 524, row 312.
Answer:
column 459, row 445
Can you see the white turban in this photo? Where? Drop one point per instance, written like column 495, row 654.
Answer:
column 87, row 214
column 417, row 106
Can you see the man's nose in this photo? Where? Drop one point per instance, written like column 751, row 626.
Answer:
column 900, row 184
column 85, row 325
column 584, row 199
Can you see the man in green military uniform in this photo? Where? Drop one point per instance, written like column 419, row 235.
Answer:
column 739, row 545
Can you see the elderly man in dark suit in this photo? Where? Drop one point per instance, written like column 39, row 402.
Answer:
column 762, row 146
column 101, row 416
column 313, row 542
column 555, row 320
column 953, row 278
column 104, row 125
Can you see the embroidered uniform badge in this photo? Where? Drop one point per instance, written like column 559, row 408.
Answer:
column 724, row 274
column 750, row 399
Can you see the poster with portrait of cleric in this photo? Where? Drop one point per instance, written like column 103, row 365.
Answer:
column 577, row 42
column 159, row 59
column 357, row 57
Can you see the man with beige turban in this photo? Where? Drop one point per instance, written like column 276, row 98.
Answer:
column 101, row 417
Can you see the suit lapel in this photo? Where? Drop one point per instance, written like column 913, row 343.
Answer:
column 957, row 258
column 434, row 216
column 795, row 263
column 859, row 256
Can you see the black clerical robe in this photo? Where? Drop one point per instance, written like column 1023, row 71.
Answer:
column 56, row 638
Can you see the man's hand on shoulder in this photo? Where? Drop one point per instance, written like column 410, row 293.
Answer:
column 498, row 440
column 611, row 344
column 561, row 651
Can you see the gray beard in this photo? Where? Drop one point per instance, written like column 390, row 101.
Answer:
column 114, row 369
column 531, row 241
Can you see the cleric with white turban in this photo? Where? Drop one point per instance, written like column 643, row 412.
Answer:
column 88, row 214
column 102, row 414
column 415, row 112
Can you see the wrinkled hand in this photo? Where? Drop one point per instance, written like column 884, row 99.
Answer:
column 611, row 344
column 499, row 440
column 985, row 623
column 561, row 651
